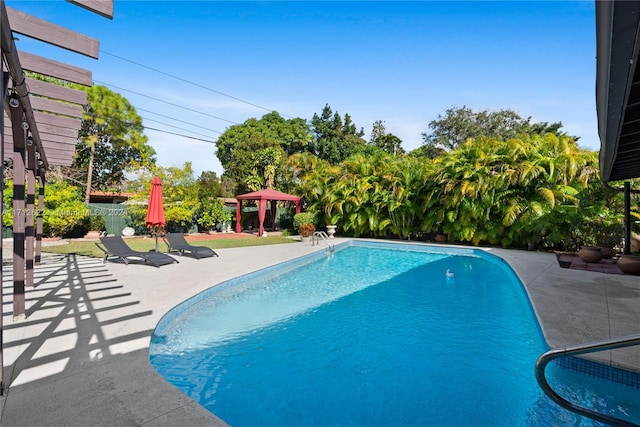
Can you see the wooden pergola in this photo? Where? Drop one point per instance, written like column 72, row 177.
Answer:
column 40, row 124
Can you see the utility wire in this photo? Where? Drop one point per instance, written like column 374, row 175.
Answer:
column 180, row 135
column 113, row 119
column 167, row 102
column 190, row 82
column 175, row 127
column 177, row 120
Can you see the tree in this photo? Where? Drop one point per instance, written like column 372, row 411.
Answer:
column 460, row 124
column 179, row 195
column 268, row 164
column 238, row 146
column 335, row 139
column 209, row 185
column 383, row 140
column 110, row 141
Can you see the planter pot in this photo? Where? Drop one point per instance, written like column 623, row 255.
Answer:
column 607, row 251
column 441, row 238
column 305, row 238
column 331, row 230
column 590, row 254
column 629, row 264
column 93, row 235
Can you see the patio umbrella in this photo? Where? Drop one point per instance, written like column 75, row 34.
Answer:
column 155, row 210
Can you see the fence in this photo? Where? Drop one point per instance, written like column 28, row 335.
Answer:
column 113, row 214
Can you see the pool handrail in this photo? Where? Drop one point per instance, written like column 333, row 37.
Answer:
column 593, row 347
column 315, row 240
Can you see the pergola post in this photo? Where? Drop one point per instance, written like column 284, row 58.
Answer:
column 19, row 137
column 40, row 219
column 29, row 211
column 627, row 219
column 5, row 85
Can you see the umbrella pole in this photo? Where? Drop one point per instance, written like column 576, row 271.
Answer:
column 157, row 240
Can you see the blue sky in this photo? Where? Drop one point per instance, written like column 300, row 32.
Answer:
column 401, row 62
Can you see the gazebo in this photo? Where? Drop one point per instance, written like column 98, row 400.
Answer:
column 262, row 196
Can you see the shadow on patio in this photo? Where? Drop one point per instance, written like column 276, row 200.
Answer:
column 84, row 341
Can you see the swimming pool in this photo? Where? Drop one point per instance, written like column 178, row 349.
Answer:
column 375, row 334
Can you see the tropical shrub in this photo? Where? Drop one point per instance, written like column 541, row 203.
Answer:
column 210, row 213
column 303, row 218
column 542, row 189
column 63, row 209
column 90, row 222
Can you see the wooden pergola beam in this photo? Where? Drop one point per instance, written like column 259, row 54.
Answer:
column 48, row 32
column 101, row 7
column 54, row 106
column 59, row 70
column 62, row 93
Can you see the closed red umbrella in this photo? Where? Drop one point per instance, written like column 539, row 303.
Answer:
column 155, row 210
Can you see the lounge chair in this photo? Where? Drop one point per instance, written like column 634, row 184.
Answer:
column 116, row 246
column 177, row 242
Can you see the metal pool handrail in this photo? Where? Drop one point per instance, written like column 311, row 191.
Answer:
column 315, row 239
column 609, row 344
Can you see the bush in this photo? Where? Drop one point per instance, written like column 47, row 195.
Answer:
column 303, row 218
column 210, row 213
column 306, row 230
column 91, row 222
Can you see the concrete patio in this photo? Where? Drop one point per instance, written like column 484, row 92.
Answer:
column 81, row 356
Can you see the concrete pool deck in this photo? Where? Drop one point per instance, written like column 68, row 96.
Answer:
column 81, row 356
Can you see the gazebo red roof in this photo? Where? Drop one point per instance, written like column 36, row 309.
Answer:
column 268, row 194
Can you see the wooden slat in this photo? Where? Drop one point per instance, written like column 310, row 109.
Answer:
column 56, row 69
column 59, row 121
column 59, row 138
column 101, row 7
column 50, row 90
column 61, row 161
column 49, row 133
column 56, row 35
column 62, row 131
column 64, row 149
column 49, row 137
column 53, row 106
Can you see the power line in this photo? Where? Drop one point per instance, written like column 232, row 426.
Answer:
column 183, row 136
column 190, row 82
column 166, row 102
column 177, row 120
column 210, row 141
column 172, row 126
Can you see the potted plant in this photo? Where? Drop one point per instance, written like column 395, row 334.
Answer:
column 94, row 224
column 306, row 231
column 304, row 223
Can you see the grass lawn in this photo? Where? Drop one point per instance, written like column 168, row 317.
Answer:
column 145, row 244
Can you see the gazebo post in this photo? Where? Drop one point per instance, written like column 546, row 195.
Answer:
column 262, row 212
column 273, row 215
column 238, row 216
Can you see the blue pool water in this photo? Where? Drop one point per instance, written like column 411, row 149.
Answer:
column 375, row 334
